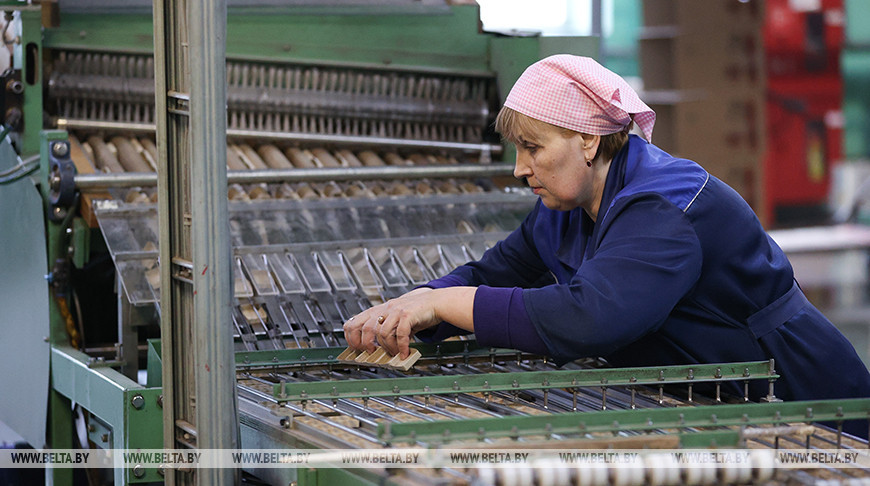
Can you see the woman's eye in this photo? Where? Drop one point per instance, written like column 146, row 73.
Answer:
column 530, row 148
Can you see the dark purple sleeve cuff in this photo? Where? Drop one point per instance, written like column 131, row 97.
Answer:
column 501, row 320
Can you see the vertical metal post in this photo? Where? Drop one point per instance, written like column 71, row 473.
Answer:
column 597, row 26
column 195, row 268
column 597, row 15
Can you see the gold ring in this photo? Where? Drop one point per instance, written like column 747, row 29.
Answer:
column 381, row 319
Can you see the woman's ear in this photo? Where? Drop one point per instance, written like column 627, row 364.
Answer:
column 590, row 145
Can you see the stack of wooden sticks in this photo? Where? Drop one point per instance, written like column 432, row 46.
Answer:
column 379, row 357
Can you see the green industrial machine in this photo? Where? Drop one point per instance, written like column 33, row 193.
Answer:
column 361, row 163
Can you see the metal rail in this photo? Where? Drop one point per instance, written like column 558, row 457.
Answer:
column 352, row 140
column 87, row 182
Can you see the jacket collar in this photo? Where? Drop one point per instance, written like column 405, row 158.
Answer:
column 579, row 241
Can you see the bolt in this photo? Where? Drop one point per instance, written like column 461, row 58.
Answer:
column 15, row 86
column 138, row 401
column 160, row 401
column 104, row 438
column 91, row 428
column 161, row 469
column 138, row 471
column 60, row 149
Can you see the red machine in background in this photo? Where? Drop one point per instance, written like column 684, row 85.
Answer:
column 802, row 42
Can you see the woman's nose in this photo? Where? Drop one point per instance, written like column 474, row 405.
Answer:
column 522, row 168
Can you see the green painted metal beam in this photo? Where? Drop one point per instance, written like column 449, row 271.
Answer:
column 31, row 77
column 60, row 417
column 680, row 418
column 80, row 241
column 440, row 43
column 531, row 380
column 106, row 33
column 131, row 410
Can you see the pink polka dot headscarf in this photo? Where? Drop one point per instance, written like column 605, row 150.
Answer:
column 579, row 94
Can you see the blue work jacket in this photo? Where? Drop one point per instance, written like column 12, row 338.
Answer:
column 677, row 270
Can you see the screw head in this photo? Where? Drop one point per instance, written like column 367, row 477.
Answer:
column 138, row 401
column 60, row 149
column 138, row 471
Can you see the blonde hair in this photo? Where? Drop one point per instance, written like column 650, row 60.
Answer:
column 512, row 124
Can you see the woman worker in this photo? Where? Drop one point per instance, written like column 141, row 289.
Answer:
column 650, row 259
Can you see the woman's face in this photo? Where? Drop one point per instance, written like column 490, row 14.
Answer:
column 554, row 165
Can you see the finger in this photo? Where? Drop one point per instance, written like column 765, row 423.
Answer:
column 403, row 339
column 369, row 331
column 387, row 334
column 352, row 331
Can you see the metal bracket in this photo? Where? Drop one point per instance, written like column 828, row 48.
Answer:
column 178, row 103
column 61, row 180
